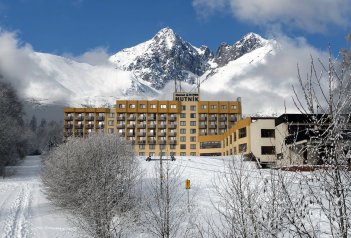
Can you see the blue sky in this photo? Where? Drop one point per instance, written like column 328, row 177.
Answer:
column 77, row 26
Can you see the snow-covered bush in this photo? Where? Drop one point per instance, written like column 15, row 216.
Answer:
column 93, row 179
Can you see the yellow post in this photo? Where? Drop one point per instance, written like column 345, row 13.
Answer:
column 187, row 184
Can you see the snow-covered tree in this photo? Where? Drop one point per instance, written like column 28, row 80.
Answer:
column 94, row 179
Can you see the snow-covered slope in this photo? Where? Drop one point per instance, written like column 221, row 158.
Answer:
column 143, row 71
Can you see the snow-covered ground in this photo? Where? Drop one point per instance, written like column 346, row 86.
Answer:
column 24, row 210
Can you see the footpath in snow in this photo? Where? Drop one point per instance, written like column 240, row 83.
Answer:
column 24, row 210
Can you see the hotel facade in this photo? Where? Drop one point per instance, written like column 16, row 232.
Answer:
column 184, row 126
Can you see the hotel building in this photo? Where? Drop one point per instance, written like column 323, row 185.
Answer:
column 182, row 126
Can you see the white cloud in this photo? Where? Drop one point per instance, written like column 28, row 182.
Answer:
column 97, row 56
column 312, row 15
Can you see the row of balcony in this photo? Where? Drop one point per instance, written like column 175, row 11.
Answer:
column 81, row 126
column 82, row 118
column 143, row 126
column 153, row 142
column 231, row 119
column 143, row 118
column 212, row 126
column 142, row 134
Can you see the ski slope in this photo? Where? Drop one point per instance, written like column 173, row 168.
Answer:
column 24, row 210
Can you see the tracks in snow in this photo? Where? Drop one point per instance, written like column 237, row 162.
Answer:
column 16, row 225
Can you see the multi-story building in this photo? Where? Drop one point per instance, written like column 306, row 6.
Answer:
column 182, row 126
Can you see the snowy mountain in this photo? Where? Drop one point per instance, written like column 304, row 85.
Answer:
column 143, row 71
column 164, row 58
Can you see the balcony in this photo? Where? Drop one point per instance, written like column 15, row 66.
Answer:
column 162, row 126
column 162, row 134
column 212, row 133
column 141, row 142
column 142, row 126
column 222, row 126
column 172, row 134
column 203, row 119
column 212, row 119
column 100, row 126
column 172, row 126
column 162, row 142
column 121, row 118
column 100, row 118
column 121, row 126
column 79, row 118
column 79, row 126
column 90, row 118
column 122, row 134
column 212, row 126
column 141, row 118
column 69, row 126
column 151, row 118
column 232, row 119
column 151, row 134
column 152, row 141
column 162, row 118
column 172, row 142
column 172, row 118
column 131, row 118
column 202, row 126
column 130, row 134
column 69, row 118
column 131, row 126
column 90, row 126
column 152, row 126
column 142, row 134
column 223, row 119
column 203, row 133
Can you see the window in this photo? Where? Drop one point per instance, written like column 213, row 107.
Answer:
column 242, row 148
column 193, row 123
column 151, row 147
column 183, row 108
column 173, row 106
column 163, row 106
column 193, row 108
column 182, row 146
column 203, row 106
column 192, row 146
column 192, row 115
column 242, row 132
column 132, row 106
column 234, row 136
column 162, row 147
column 267, row 150
column 111, row 115
column 192, row 154
column 152, row 154
column 182, row 131
column 183, row 123
column 224, row 106
column 141, row 146
column 182, row 115
column 182, row 154
column 182, row 138
column 110, row 130
column 110, row 122
column 267, row 133
column 122, row 106
column 234, row 107
column 213, row 106
column 172, row 147
column 142, row 106
column 153, row 106
column 192, row 131
column 141, row 153
column 193, row 138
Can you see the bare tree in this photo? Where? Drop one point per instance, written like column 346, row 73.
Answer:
column 94, row 180
column 166, row 211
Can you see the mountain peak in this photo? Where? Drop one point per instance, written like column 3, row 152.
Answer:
column 166, row 36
